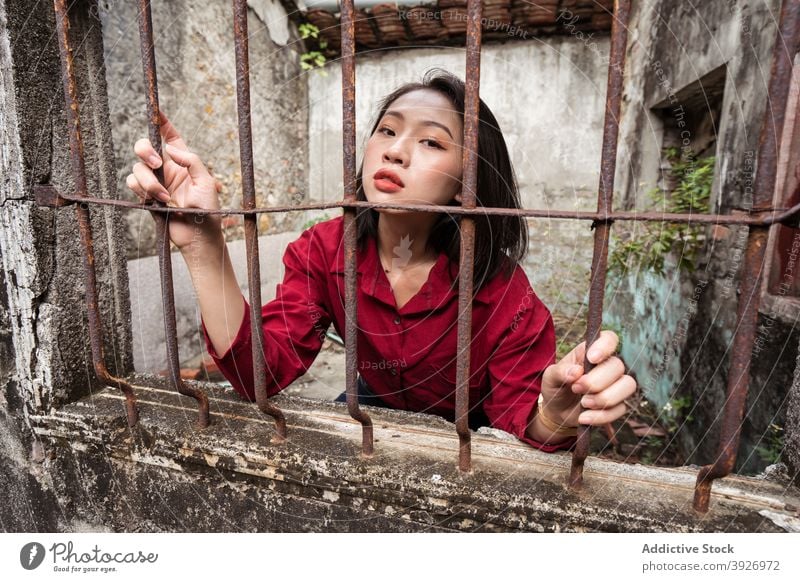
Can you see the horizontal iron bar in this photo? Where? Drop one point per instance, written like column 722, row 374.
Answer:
column 787, row 216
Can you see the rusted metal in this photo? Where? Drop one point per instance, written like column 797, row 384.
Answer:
column 759, row 219
column 467, row 227
column 48, row 196
column 602, row 226
column 251, row 220
column 786, row 45
column 787, row 216
column 83, row 216
column 349, row 173
column 162, row 219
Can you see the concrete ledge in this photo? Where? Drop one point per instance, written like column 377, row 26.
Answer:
column 167, row 475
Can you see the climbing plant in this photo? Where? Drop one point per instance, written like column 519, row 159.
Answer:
column 312, row 59
column 771, row 444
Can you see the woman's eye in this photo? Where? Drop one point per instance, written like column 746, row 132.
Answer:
column 384, row 129
column 433, row 143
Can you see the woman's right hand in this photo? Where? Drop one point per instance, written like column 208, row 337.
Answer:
column 187, row 184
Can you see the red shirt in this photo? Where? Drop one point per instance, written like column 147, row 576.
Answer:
column 406, row 356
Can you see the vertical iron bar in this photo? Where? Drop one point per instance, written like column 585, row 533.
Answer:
column 467, row 226
column 241, row 41
column 349, row 175
column 602, row 228
column 162, row 219
column 786, row 44
column 83, row 216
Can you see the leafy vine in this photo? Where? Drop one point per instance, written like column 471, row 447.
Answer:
column 650, row 247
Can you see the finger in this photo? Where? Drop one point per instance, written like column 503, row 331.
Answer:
column 190, row 161
column 611, row 396
column 149, row 183
column 132, row 183
column 170, row 134
column 147, row 153
column 601, row 417
column 603, row 347
column 561, row 374
column 600, row 377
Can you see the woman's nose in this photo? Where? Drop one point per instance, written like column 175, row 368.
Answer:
column 395, row 155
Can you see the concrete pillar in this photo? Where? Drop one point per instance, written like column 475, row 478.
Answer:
column 46, row 360
column 791, row 451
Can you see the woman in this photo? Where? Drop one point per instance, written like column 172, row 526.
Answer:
column 407, row 281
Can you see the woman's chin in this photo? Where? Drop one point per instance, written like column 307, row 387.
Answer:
column 379, row 197
column 395, row 211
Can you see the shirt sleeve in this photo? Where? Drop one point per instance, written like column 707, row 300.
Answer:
column 293, row 324
column 515, row 370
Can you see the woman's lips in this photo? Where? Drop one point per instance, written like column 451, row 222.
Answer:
column 386, row 185
column 387, row 181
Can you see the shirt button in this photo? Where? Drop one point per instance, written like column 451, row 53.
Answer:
column 393, row 372
column 397, row 320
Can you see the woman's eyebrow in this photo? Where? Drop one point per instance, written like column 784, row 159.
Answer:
column 424, row 122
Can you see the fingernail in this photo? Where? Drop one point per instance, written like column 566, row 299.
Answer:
column 593, row 355
column 587, row 401
column 585, row 418
column 578, row 388
column 163, row 196
column 154, row 161
column 573, row 371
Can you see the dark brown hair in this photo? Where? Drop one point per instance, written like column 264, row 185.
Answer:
column 501, row 242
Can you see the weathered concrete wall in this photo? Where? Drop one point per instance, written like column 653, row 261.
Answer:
column 46, row 358
column 791, row 455
column 197, row 90
column 680, row 348
column 72, row 464
column 229, row 477
column 548, row 98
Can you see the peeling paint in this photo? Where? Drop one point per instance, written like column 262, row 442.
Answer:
column 156, row 461
column 787, row 522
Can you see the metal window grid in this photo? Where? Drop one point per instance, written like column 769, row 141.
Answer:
column 759, row 221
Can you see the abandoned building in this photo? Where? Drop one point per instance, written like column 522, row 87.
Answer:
column 667, row 101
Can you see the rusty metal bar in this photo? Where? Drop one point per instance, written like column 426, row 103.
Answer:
column 787, row 216
column 467, row 226
column 161, row 219
column 48, row 195
column 786, row 44
column 349, row 175
column 759, row 219
column 251, row 220
column 602, row 227
column 83, row 216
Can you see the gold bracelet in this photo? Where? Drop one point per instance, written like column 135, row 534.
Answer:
column 554, row 427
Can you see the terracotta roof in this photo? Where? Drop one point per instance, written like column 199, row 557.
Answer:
column 445, row 22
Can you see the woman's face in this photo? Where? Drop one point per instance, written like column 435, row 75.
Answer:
column 418, row 142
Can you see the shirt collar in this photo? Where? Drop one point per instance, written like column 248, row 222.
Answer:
column 437, row 290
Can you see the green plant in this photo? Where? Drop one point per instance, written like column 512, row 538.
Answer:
column 650, row 247
column 675, row 411
column 651, row 448
column 313, row 59
column 772, row 443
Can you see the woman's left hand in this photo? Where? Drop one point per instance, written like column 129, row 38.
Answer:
column 602, row 392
